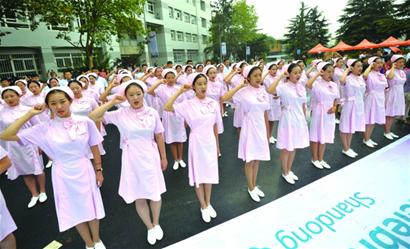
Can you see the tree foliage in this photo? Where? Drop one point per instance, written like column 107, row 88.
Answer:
column 97, row 21
column 305, row 30
column 370, row 19
column 235, row 23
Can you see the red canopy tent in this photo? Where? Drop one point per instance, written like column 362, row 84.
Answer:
column 341, row 46
column 365, row 44
column 319, row 48
column 391, row 42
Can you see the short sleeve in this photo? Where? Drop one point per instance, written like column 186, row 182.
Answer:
column 180, row 109
column 112, row 117
column 218, row 118
column 159, row 128
column 94, row 136
column 94, row 104
column 3, row 153
column 238, row 96
column 34, row 135
column 279, row 89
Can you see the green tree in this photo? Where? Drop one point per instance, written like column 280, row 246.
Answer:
column 401, row 24
column 370, row 19
column 296, row 37
column 98, row 21
column 234, row 24
column 317, row 28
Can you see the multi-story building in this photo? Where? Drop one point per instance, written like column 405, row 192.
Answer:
column 177, row 31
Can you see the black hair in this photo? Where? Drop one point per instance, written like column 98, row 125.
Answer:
column 169, row 62
column 178, row 66
column 188, row 61
column 169, row 73
column 408, row 63
column 8, row 79
column 252, row 70
column 53, row 91
column 270, row 67
column 186, row 67
column 327, row 66
column 52, row 78
column 201, row 75
column 226, row 59
column 354, row 63
column 292, row 66
column 144, row 65
column 74, row 81
column 33, row 81
column 4, row 91
column 242, row 65
column 91, row 75
column 132, row 84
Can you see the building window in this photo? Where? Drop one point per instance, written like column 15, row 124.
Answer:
column 193, row 19
column 192, row 55
column 173, row 35
column 188, row 37
column 171, row 12
column 179, row 55
column 16, row 20
column 204, row 39
column 178, row 15
column 194, row 38
column 187, row 17
column 202, row 5
column 19, row 65
column 203, row 21
column 151, row 7
column 69, row 60
column 180, row 36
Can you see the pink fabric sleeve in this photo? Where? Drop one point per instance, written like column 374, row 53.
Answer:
column 159, row 128
column 94, row 136
column 112, row 117
column 3, row 153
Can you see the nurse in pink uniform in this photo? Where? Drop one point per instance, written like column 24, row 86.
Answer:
column 75, row 180
column 324, row 101
column 253, row 140
column 26, row 159
column 143, row 153
column 374, row 100
column 275, row 110
column 7, row 225
column 86, row 90
column 22, row 84
column 175, row 133
column 203, row 116
column 293, row 132
column 352, row 115
column 235, row 78
column 396, row 77
column 338, row 64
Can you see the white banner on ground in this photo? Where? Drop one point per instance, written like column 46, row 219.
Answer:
column 364, row 205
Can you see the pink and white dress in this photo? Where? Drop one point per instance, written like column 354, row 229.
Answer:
column 25, row 159
column 352, row 114
column 253, row 139
column 7, row 224
column 141, row 173
column 275, row 109
column 293, row 131
column 201, row 116
column 238, row 113
column 68, row 140
column 323, row 124
column 374, row 101
column 174, row 126
column 395, row 103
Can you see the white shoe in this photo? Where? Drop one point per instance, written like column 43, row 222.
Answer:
column 211, row 211
column 182, row 163
column 349, row 153
column 159, row 234
column 317, row 164
column 294, row 177
column 99, row 245
column 225, row 114
column 354, row 152
column 176, row 165
column 42, row 197
column 254, row 195
column 368, row 143
column 272, row 140
column 388, row 136
column 325, row 165
column 205, row 215
column 393, row 135
column 33, row 201
column 49, row 164
column 337, row 121
column 259, row 192
column 151, row 238
column 373, row 142
column 289, row 179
